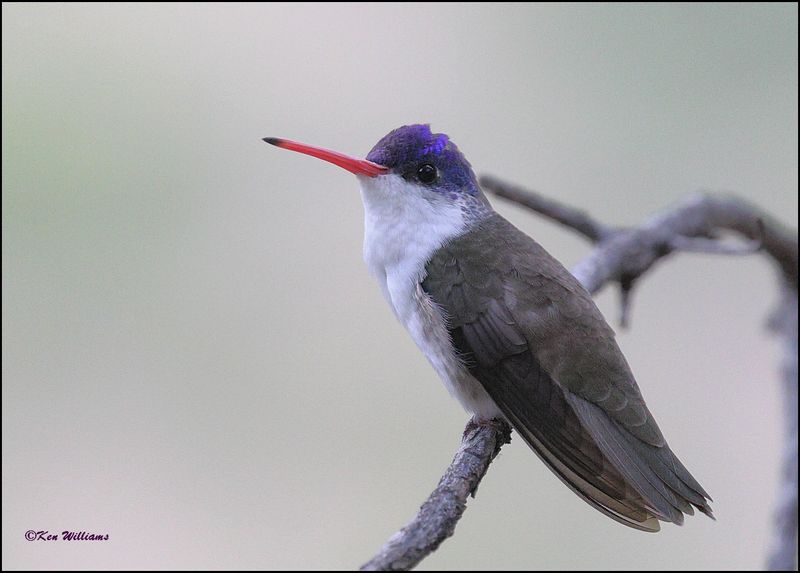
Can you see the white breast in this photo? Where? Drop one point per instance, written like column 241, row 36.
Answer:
column 404, row 225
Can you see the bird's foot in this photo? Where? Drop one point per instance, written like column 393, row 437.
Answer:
column 496, row 423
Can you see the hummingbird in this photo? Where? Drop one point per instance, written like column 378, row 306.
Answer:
column 510, row 331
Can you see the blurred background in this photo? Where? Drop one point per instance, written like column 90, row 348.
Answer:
column 195, row 359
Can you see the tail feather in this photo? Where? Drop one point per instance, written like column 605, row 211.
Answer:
column 656, row 473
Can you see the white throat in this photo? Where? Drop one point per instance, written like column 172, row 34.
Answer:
column 404, row 224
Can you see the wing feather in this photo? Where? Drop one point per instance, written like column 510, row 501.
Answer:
column 534, row 339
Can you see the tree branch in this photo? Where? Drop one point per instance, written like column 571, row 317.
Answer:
column 437, row 518
column 623, row 256
column 783, row 543
column 568, row 216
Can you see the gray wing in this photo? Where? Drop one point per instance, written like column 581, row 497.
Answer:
column 534, row 339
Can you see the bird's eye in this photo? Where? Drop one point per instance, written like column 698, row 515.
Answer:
column 427, row 173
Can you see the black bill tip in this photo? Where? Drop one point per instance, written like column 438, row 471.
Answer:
column 273, row 140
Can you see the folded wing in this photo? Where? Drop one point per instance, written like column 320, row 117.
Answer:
column 533, row 338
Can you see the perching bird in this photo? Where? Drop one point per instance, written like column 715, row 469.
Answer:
column 509, row 330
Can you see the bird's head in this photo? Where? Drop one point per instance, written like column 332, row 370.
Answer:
column 409, row 162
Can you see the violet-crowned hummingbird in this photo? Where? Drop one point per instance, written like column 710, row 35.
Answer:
column 509, row 330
